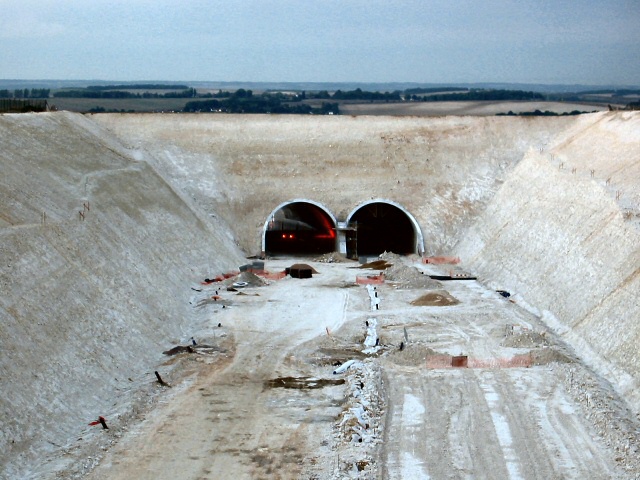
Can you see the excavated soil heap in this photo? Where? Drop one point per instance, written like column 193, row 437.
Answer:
column 435, row 299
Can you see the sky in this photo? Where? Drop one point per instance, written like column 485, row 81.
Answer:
column 588, row 42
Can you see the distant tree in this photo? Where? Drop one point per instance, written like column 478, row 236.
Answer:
column 358, row 94
column 39, row 93
column 330, row 108
column 242, row 93
column 482, row 94
column 245, row 102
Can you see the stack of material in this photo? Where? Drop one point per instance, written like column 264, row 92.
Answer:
column 300, row 270
column 406, row 276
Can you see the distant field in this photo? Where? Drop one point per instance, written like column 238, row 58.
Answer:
column 474, row 108
column 479, row 108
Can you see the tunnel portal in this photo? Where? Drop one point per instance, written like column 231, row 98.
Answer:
column 377, row 227
column 300, row 228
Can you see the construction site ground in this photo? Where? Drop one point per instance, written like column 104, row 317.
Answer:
column 110, row 223
column 258, row 397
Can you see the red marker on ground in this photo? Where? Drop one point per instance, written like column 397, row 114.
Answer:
column 102, row 421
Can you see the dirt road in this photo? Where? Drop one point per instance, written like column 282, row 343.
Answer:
column 268, row 414
column 228, row 424
column 499, row 419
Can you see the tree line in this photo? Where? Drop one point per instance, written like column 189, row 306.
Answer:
column 99, row 93
column 243, row 101
column 122, row 91
column 477, row 95
column 25, row 93
column 447, row 94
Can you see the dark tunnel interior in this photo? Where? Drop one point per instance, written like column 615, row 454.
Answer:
column 300, row 228
column 379, row 227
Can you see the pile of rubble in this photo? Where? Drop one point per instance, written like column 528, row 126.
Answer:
column 251, row 280
column 612, row 420
column 524, row 339
column 405, row 276
column 359, row 428
column 435, row 299
column 332, row 257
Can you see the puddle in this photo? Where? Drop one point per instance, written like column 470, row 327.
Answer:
column 302, row 383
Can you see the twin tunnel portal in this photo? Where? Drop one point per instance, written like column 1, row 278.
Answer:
column 304, row 227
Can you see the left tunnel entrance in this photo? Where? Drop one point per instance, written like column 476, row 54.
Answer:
column 300, row 228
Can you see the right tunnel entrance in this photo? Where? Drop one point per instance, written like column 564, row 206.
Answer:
column 379, row 227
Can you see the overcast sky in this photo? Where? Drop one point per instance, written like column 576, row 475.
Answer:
column 591, row 42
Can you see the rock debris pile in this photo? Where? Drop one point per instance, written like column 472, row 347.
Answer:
column 359, row 428
column 332, row 257
column 404, row 276
column 611, row 418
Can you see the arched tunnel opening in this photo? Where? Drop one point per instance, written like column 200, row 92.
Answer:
column 380, row 227
column 300, row 228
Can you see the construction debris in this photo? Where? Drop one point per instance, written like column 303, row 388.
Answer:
column 405, row 276
column 332, row 257
column 300, row 270
column 435, row 299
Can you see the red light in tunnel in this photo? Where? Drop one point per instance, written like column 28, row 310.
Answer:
column 328, row 228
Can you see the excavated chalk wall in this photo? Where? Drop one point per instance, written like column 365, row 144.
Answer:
column 563, row 232
column 87, row 306
column 442, row 170
column 545, row 207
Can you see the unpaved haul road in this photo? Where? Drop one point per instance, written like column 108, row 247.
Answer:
column 479, row 424
column 228, row 425
column 495, row 420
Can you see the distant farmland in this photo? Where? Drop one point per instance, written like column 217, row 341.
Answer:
column 120, row 104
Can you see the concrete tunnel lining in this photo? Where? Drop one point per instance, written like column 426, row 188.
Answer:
column 340, row 227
